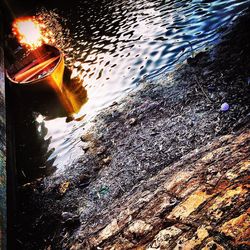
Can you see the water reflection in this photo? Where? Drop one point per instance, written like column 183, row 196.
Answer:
column 73, row 95
column 111, row 45
column 31, row 112
column 115, row 44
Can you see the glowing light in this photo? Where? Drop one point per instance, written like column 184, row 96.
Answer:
column 40, row 118
column 31, row 32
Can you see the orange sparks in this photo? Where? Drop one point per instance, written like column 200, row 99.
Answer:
column 30, row 32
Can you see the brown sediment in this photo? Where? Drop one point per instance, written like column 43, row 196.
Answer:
column 162, row 169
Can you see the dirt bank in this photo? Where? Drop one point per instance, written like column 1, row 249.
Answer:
column 168, row 140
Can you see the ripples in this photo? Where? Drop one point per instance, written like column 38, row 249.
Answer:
column 112, row 45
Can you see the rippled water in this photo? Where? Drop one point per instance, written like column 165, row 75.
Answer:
column 112, row 45
column 115, row 44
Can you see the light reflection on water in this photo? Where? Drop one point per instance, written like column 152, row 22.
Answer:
column 115, row 44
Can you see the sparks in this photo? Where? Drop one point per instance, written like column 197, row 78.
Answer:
column 30, row 32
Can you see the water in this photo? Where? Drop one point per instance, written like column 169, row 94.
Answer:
column 112, row 45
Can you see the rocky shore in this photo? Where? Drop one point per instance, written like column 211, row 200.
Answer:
column 165, row 168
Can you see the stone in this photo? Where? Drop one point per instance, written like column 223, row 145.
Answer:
column 107, row 160
column 132, row 121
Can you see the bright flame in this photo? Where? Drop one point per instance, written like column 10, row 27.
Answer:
column 30, row 32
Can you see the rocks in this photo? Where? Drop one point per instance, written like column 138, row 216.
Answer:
column 159, row 172
column 238, row 228
column 84, row 180
column 201, row 220
column 164, row 238
column 83, row 138
column 67, row 215
column 107, row 160
column 70, row 220
column 87, row 137
column 137, row 229
column 132, row 121
column 101, row 150
column 86, row 147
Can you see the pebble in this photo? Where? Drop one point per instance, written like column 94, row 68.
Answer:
column 67, row 215
column 113, row 104
column 107, row 160
column 84, row 180
column 69, row 219
column 85, row 147
column 132, row 121
column 101, row 150
column 224, row 107
column 69, row 119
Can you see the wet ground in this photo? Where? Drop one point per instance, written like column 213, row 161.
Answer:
column 136, row 138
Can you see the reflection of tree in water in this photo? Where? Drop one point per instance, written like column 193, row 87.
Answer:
column 30, row 131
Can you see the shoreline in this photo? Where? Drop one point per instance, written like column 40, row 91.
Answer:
column 134, row 141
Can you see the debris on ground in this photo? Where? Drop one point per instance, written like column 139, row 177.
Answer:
column 176, row 168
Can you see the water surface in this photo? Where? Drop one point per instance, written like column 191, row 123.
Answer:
column 113, row 45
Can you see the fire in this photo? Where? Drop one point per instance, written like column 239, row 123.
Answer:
column 30, row 32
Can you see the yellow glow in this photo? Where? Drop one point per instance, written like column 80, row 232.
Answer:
column 30, row 32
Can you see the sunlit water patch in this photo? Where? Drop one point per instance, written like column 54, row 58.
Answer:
column 112, row 45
